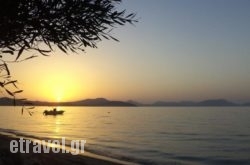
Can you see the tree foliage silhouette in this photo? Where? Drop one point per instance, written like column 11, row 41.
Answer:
column 70, row 25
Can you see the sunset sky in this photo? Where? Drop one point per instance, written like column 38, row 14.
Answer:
column 179, row 50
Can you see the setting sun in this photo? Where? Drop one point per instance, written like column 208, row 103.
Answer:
column 52, row 83
column 59, row 88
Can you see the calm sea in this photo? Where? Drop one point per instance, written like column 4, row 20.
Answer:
column 146, row 135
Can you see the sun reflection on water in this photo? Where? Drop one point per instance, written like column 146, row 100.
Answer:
column 57, row 127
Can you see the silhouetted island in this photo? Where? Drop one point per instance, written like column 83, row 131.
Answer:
column 212, row 102
column 87, row 102
column 104, row 102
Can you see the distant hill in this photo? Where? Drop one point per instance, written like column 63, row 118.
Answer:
column 9, row 102
column 104, row 102
column 218, row 102
column 246, row 104
column 135, row 103
column 96, row 102
column 6, row 101
column 182, row 103
column 87, row 102
column 212, row 102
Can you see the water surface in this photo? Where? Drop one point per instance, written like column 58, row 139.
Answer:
column 146, row 135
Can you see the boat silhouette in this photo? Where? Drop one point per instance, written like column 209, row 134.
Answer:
column 53, row 112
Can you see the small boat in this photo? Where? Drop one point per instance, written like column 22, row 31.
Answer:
column 53, row 112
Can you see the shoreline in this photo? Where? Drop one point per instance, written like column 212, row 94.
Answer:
column 87, row 158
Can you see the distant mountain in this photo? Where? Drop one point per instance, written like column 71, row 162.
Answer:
column 6, row 101
column 86, row 102
column 218, row 102
column 246, row 104
column 97, row 102
column 215, row 102
column 182, row 103
column 104, row 102
column 135, row 103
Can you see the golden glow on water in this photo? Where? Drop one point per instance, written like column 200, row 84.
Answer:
column 57, row 126
column 139, row 129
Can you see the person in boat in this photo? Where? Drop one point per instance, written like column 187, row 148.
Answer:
column 54, row 110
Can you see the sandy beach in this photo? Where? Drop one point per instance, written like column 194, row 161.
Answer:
column 8, row 158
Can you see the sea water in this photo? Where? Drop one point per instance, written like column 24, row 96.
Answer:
column 145, row 135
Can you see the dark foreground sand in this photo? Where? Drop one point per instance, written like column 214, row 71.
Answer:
column 8, row 158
